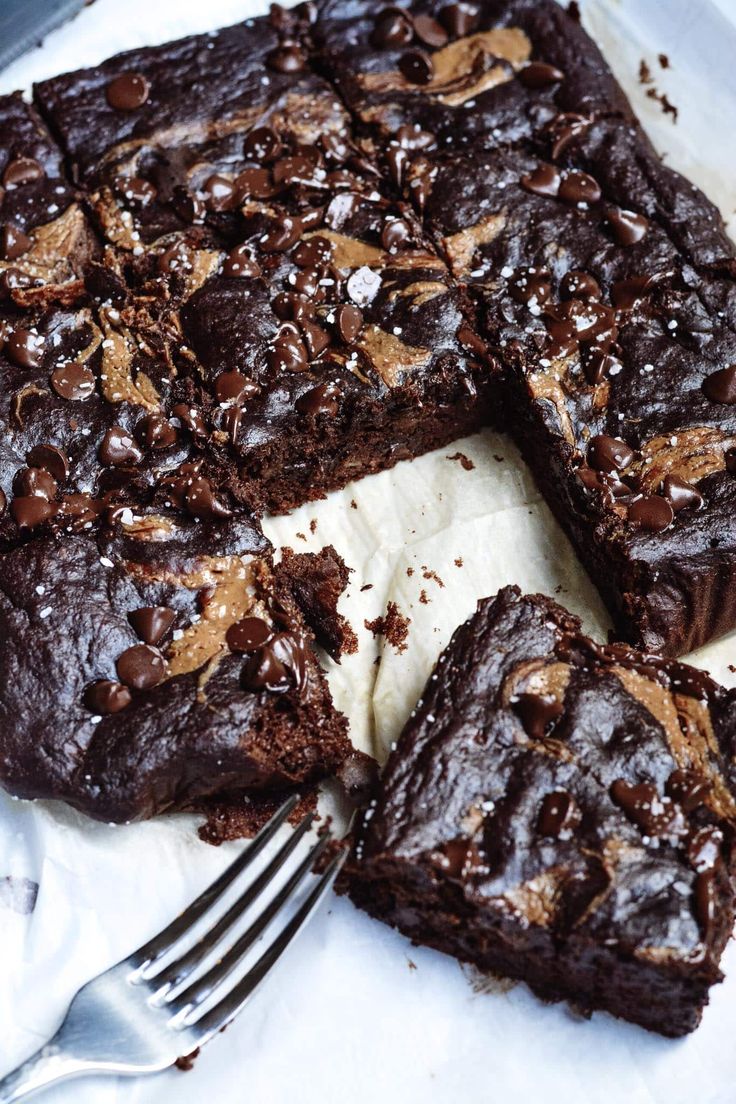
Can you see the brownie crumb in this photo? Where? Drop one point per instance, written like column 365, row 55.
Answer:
column 393, row 626
column 423, row 598
column 498, row 459
column 466, row 462
column 459, row 561
column 242, row 817
column 427, row 573
column 366, row 586
column 667, row 106
column 313, row 525
column 410, row 571
column 412, row 965
column 645, row 73
column 353, row 504
column 664, row 61
column 186, row 1062
column 301, row 536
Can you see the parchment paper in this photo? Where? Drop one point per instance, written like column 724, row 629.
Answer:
column 355, row 1013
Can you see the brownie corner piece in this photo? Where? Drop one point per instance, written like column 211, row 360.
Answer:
column 560, row 812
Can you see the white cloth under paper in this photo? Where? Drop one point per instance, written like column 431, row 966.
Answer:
column 355, row 1013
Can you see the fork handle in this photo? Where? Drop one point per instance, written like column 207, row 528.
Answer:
column 47, row 1065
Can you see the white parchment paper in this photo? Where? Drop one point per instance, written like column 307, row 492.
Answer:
column 355, row 1013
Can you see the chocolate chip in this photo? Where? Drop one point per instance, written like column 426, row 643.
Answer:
column 348, row 322
column 429, row 31
column 255, row 183
column 680, row 494
column 315, row 337
column 35, row 481
column 393, row 27
column 141, row 667
column 627, row 227
column 118, row 447
column 705, row 901
column 654, row 815
column 190, row 418
column 73, row 381
column 460, row 19
column 470, row 340
column 688, row 788
column 128, row 92
column 219, row 193
column 12, row 279
column 136, row 191
column 248, row 634
column 565, row 129
column 13, row 242
column 278, row 666
column 322, row 399
column 537, row 712
column 24, row 348
column 202, row 502
column 288, row 354
column 651, row 512
column 284, row 232
column 240, row 264
column 292, row 308
column 262, row 144
column 154, row 431
column 395, row 234
column 598, row 365
column 22, row 170
column 311, row 217
column 334, row 147
column 579, row 285
column 530, row 286
column 416, row 67
column 51, row 459
column 538, row 74
column 293, row 170
column 542, row 181
column 397, row 159
column 315, row 251
column 720, row 386
column 576, row 322
column 106, row 696
column 608, row 454
column 233, row 386
column 288, row 58
column 559, row 814
column 81, row 508
column 32, row 511
column 625, row 294
column 151, row 623
column 579, row 187
column 177, row 258
column 705, row 848
column 189, row 208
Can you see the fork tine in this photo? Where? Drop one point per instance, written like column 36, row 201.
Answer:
column 200, row 990
column 226, row 1009
column 158, row 946
column 176, row 972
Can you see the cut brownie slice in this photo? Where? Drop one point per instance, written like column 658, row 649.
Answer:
column 167, row 668
column 45, row 239
column 561, row 812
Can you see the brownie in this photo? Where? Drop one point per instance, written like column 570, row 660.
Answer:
column 604, row 281
column 166, row 669
column 560, row 812
column 45, row 238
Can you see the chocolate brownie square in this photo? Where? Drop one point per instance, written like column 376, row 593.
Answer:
column 45, row 240
column 167, row 668
column 562, row 813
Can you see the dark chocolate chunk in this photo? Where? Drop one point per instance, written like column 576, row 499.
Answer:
column 128, row 92
column 248, row 634
column 651, row 512
column 609, row 454
column 119, row 447
column 151, row 623
column 141, row 667
column 680, row 494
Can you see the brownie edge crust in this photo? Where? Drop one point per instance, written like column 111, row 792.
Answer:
column 560, row 812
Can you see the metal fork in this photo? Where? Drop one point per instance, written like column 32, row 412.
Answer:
column 136, row 1017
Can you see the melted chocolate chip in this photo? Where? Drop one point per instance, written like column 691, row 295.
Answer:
column 688, row 788
column 322, row 399
column 73, row 382
column 579, row 187
column 393, row 27
column 13, row 242
column 202, row 502
column 598, row 366
column 429, row 31
column 154, row 431
column 395, row 234
column 460, row 19
column 348, row 322
column 141, row 667
column 538, row 74
column 190, row 208
column 720, row 386
column 278, row 666
column 25, row 348
column 240, row 264
column 51, row 459
column 565, row 129
column 704, row 848
column 579, row 285
column 537, row 712
column 680, row 494
column 128, row 92
column 542, row 181
column 35, row 481
column 654, row 815
column 576, row 322
column 136, row 191
column 416, row 67
column 397, row 159
column 248, row 634
column 12, row 279
column 3, row 502
column 106, row 696
column 190, row 418
column 530, row 285
column 22, row 170
column 151, row 623
column 262, row 144
column 651, row 512
column 288, row 58
column 32, row 511
column 219, row 193
column 288, row 354
column 627, row 227
column 313, row 252
column 559, row 814
column 284, row 232
column 118, row 447
column 705, row 900
column 608, row 454
column 316, row 339
column 256, row 183
column 233, row 386
column 625, row 294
